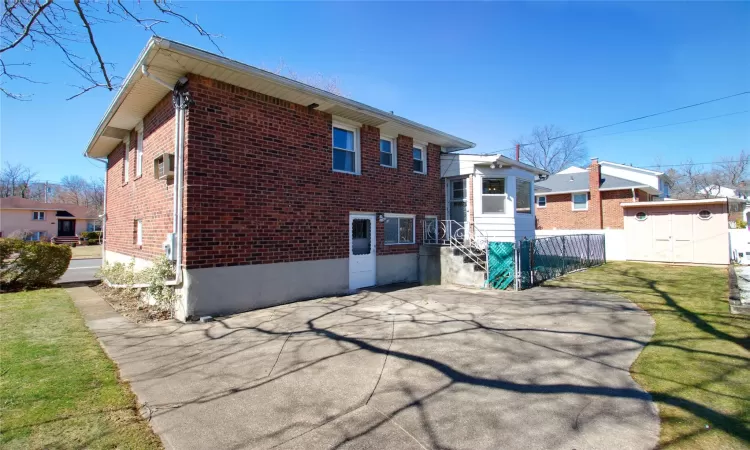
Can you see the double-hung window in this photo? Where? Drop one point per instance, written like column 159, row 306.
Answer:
column 345, row 148
column 541, row 201
column 37, row 215
column 420, row 159
column 139, row 152
column 399, row 229
column 523, row 196
column 387, row 152
column 493, row 196
column 580, row 202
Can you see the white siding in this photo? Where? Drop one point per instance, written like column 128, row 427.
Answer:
column 507, row 227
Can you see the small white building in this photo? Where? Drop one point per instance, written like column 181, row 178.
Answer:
column 492, row 194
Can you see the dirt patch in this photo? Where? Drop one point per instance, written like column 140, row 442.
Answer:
column 129, row 304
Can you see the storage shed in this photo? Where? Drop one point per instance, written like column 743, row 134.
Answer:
column 678, row 231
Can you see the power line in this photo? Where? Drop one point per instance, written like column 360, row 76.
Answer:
column 670, row 124
column 692, row 164
column 610, row 125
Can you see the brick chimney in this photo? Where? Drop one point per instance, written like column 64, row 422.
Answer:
column 595, row 200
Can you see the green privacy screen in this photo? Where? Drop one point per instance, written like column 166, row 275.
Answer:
column 501, row 269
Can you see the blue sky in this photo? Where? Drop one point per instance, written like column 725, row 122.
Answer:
column 487, row 72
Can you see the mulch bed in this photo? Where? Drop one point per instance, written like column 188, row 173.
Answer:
column 130, row 306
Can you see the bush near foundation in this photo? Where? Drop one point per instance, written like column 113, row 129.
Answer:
column 28, row 264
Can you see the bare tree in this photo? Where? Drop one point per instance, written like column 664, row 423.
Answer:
column 16, row 180
column 330, row 84
column 552, row 149
column 690, row 180
column 73, row 189
column 69, row 27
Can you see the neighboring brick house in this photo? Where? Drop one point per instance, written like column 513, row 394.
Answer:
column 63, row 221
column 589, row 199
column 286, row 191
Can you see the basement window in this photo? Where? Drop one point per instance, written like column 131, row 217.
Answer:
column 399, row 229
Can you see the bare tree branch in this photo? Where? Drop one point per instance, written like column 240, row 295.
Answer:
column 93, row 44
column 27, row 28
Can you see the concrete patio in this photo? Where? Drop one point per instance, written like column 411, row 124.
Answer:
column 410, row 368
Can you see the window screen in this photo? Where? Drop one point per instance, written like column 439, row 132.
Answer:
column 523, row 196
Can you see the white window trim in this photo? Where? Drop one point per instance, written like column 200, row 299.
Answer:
column 394, row 150
column 126, row 159
column 139, row 150
column 41, row 216
column 422, row 147
column 538, row 205
column 482, row 195
column 357, row 152
column 573, row 203
column 413, row 228
column 139, row 232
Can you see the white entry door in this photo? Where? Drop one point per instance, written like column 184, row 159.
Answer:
column 362, row 254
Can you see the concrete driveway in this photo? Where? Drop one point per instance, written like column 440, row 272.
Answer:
column 419, row 367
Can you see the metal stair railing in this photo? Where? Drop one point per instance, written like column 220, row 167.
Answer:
column 470, row 241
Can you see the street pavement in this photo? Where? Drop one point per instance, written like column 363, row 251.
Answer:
column 81, row 271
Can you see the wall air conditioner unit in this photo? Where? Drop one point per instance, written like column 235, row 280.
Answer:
column 164, row 166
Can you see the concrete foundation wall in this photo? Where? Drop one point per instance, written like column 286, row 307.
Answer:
column 111, row 257
column 439, row 265
column 429, row 264
column 397, row 268
column 226, row 290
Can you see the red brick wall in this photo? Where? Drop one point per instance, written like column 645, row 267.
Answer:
column 595, row 196
column 559, row 214
column 144, row 197
column 260, row 189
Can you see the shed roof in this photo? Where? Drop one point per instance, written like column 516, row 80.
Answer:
column 169, row 61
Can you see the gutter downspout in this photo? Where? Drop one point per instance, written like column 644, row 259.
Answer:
column 104, row 213
column 180, row 104
column 633, row 190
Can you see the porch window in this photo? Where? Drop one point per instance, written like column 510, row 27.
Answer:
column 420, row 163
column 387, row 152
column 493, row 196
column 345, row 149
column 399, row 230
column 580, row 202
column 37, row 215
column 523, row 196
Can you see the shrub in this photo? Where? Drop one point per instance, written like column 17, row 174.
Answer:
column 28, row 264
column 740, row 223
column 154, row 276
column 92, row 241
column 21, row 235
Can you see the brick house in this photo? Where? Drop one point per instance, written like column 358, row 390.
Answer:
column 589, row 199
column 262, row 190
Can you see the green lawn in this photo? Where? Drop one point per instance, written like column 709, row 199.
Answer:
column 697, row 366
column 87, row 251
column 57, row 387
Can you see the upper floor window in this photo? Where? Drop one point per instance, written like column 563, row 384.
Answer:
column 345, row 149
column 420, row 161
column 387, row 152
column 541, row 201
column 126, row 163
column 523, row 196
column 139, row 152
column 37, row 215
column 493, row 196
column 580, row 202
